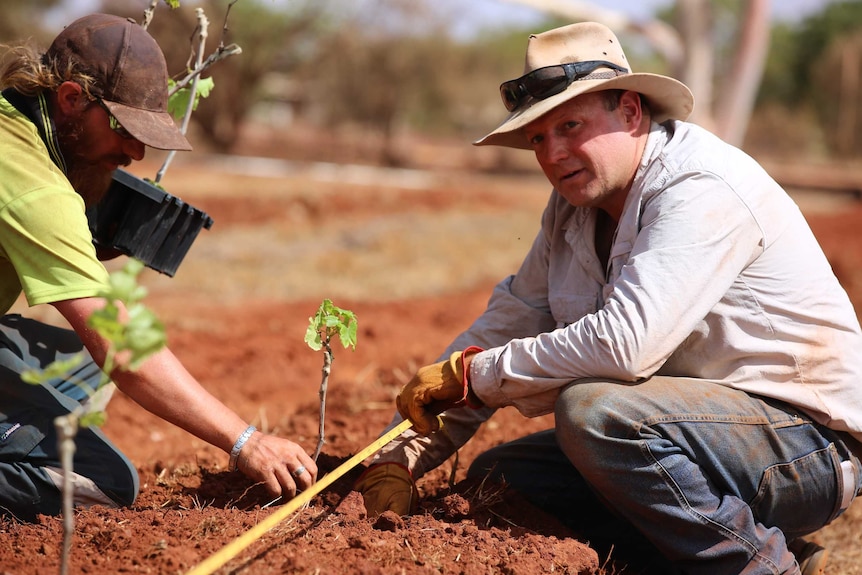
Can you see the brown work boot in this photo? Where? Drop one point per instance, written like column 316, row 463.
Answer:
column 810, row 556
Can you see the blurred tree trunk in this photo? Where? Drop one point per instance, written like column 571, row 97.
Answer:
column 697, row 70
column 735, row 102
column 848, row 99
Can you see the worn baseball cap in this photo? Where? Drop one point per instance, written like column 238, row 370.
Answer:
column 130, row 75
column 572, row 60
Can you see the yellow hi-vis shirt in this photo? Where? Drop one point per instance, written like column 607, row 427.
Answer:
column 46, row 248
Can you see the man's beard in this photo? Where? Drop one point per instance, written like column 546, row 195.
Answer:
column 90, row 179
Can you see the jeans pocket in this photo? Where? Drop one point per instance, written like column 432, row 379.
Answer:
column 799, row 496
column 18, row 439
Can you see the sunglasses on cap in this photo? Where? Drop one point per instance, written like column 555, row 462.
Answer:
column 545, row 82
column 114, row 123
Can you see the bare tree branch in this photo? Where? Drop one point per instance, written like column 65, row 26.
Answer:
column 202, row 30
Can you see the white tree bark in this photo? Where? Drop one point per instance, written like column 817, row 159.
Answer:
column 694, row 20
column 735, row 103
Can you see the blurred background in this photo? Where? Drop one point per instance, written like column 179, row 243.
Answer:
column 348, row 80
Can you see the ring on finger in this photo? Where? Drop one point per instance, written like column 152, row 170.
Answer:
column 299, row 471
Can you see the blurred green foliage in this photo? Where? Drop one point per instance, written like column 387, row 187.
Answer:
column 814, row 74
column 388, row 66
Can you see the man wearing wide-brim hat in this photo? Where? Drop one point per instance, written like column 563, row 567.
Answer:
column 677, row 316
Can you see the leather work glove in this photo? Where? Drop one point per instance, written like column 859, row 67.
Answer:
column 388, row 487
column 436, row 388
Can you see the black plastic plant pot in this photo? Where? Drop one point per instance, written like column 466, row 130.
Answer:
column 140, row 220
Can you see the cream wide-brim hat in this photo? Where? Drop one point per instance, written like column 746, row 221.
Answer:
column 668, row 98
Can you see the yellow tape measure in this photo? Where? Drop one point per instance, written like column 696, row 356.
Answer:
column 229, row 551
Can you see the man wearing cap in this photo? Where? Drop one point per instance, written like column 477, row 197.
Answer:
column 68, row 119
column 676, row 315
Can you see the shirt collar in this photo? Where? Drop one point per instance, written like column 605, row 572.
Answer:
column 35, row 109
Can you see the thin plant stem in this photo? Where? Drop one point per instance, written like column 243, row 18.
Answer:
column 67, row 429
column 203, row 27
column 148, row 14
column 324, row 383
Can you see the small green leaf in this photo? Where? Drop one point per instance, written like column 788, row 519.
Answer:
column 142, row 334
column 330, row 321
column 57, row 369
column 32, row 376
column 348, row 333
column 179, row 101
column 145, row 335
column 312, row 336
column 156, row 184
column 93, row 418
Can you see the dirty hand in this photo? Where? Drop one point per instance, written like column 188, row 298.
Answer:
column 388, row 487
column 434, row 389
column 281, row 465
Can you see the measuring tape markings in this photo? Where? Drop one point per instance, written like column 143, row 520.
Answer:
column 232, row 549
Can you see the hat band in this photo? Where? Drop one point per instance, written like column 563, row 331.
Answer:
column 545, row 82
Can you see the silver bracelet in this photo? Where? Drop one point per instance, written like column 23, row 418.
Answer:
column 237, row 447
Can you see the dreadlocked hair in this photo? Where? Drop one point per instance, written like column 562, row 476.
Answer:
column 29, row 72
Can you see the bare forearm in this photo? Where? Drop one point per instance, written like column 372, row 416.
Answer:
column 164, row 387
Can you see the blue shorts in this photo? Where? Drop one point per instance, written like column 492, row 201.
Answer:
column 28, row 440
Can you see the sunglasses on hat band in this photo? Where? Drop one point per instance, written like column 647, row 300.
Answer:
column 545, row 82
column 114, row 123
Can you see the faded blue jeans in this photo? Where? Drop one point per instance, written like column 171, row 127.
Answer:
column 717, row 480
